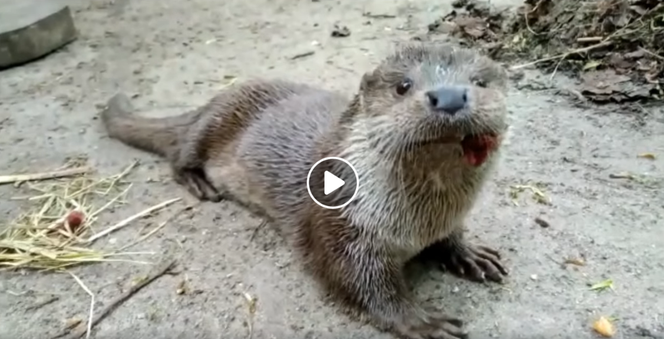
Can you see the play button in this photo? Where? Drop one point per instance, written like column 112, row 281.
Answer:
column 332, row 183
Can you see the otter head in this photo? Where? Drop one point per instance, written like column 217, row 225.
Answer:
column 434, row 101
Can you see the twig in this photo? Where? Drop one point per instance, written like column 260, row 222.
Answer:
column 155, row 230
column 621, row 176
column 229, row 83
column 255, row 232
column 652, row 53
column 6, row 179
column 563, row 55
column 149, row 234
column 378, row 16
column 111, row 202
column 251, row 302
column 126, row 171
column 92, row 303
column 590, row 39
column 555, row 70
column 302, row 55
column 161, row 271
column 525, row 19
column 42, row 303
column 126, row 222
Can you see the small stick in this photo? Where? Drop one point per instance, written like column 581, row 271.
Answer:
column 7, row 179
column 261, row 225
column 378, row 16
column 127, row 221
column 161, row 271
column 42, row 304
column 652, row 53
column 111, row 202
column 563, row 55
column 302, row 55
column 149, row 234
column 156, row 229
column 92, row 303
column 590, row 39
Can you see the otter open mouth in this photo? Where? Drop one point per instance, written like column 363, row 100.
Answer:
column 476, row 148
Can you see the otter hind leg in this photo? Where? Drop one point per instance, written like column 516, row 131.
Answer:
column 170, row 137
column 474, row 263
column 197, row 182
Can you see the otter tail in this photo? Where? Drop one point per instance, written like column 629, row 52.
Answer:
column 155, row 135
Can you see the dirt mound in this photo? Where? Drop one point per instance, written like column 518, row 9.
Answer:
column 616, row 47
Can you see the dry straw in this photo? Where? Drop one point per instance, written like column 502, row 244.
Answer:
column 42, row 237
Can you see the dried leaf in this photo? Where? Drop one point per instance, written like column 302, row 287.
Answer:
column 636, row 54
column 537, row 194
column 72, row 322
column 251, row 301
column 182, row 288
column 475, row 27
column 138, row 280
column 575, row 262
column 591, row 64
column 639, row 9
column 601, row 286
column 604, row 327
column 647, row 156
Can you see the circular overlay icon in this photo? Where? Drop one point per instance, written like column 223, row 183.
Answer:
column 332, row 183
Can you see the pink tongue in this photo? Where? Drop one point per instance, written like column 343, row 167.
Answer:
column 476, row 148
column 474, row 158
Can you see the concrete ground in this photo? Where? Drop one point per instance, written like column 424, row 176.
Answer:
column 174, row 55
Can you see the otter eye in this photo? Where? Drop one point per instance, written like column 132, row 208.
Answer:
column 404, row 86
column 479, row 83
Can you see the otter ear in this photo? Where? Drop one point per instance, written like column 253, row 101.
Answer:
column 510, row 73
column 369, row 80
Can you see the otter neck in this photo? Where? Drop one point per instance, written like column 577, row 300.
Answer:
column 333, row 143
column 431, row 191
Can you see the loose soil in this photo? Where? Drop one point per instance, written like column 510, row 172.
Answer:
column 615, row 47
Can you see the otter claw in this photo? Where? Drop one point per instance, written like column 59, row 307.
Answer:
column 433, row 326
column 196, row 182
column 476, row 263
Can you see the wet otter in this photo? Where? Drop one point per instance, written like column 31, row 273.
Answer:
column 423, row 133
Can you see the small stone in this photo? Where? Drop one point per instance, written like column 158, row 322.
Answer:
column 543, row 223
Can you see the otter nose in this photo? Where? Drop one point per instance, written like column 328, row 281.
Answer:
column 448, row 99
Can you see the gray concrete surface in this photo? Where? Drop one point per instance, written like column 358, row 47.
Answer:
column 30, row 29
column 174, row 55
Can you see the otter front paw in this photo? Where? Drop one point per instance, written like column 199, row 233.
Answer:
column 476, row 263
column 433, row 325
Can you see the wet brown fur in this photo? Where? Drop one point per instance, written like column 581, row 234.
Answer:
column 413, row 197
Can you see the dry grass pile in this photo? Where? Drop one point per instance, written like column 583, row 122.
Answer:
column 59, row 224
column 616, row 47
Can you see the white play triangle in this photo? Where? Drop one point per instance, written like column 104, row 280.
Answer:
column 331, row 183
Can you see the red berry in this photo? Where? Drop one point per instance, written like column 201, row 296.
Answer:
column 75, row 219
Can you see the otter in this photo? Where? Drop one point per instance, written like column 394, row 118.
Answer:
column 423, row 132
